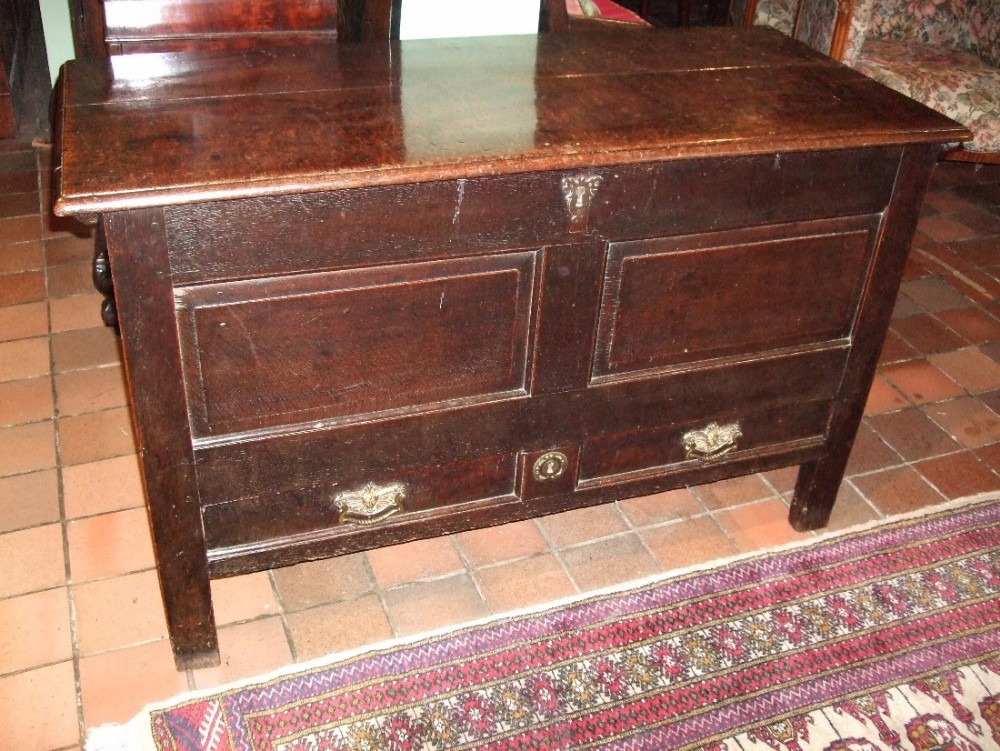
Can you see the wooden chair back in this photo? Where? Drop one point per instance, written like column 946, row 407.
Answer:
column 111, row 27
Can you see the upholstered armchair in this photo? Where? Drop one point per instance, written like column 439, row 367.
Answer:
column 822, row 24
column 944, row 53
column 779, row 14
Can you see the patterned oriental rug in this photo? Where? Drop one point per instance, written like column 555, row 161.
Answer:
column 882, row 638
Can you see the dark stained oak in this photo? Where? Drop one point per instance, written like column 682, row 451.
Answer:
column 609, row 107
column 354, row 343
column 655, row 312
column 152, row 360
column 371, row 293
column 816, row 485
column 173, row 25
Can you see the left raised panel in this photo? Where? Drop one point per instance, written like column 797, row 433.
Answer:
column 347, row 346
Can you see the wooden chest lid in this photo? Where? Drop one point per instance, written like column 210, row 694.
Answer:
column 161, row 129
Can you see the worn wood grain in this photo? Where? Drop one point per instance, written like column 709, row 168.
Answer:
column 171, row 149
column 366, row 289
column 136, row 243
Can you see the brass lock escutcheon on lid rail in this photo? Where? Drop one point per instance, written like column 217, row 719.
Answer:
column 370, row 504
column 549, row 466
column 578, row 193
column 711, row 442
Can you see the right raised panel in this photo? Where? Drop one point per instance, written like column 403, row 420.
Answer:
column 668, row 302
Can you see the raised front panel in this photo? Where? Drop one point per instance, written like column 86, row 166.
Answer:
column 683, row 300
column 341, row 346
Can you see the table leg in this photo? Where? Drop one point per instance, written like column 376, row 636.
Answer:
column 683, row 12
column 818, row 481
column 137, row 249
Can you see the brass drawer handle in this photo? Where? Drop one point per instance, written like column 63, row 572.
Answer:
column 549, row 466
column 371, row 504
column 711, row 442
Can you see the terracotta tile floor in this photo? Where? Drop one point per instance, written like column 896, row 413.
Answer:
column 82, row 634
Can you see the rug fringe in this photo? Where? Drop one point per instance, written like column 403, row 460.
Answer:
column 114, row 737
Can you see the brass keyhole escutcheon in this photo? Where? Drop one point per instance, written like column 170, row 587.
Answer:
column 550, row 466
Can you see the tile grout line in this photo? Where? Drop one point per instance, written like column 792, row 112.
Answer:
column 557, row 553
column 64, row 522
column 282, row 612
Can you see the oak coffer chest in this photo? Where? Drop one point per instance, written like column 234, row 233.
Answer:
column 369, row 294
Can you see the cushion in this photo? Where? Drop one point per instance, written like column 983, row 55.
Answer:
column 857, row 34
column 946, row 23
column 817, row 20
column 985, row 20
column 954, row 82
column 779, row 14
column 604, row 10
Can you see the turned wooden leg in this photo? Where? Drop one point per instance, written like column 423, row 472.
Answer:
column 101, row 277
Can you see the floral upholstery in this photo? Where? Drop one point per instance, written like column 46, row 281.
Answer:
column 944, row 53
column 779, row 14
column 817, row 20
column 954, row 82
column 858, row 32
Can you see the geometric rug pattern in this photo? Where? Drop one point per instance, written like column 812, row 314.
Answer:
column 882, row 638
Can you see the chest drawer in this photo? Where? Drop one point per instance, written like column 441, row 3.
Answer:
column 463, row 463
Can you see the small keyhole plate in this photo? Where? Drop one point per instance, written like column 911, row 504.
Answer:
column 550, row 466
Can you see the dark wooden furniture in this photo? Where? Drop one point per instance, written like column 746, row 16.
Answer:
column 375, row 293
column 113, row 27
column 377, row 20
column 24, row 74
column 131, row 26
column 8, row 121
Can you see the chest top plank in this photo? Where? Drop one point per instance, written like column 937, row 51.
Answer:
column 165, row 129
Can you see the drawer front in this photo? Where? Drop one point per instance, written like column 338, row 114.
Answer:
column 261, row 237
column 343, row 346
column 685, row 300
column 352, row 499
column 711, row 439
column 467, row 460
